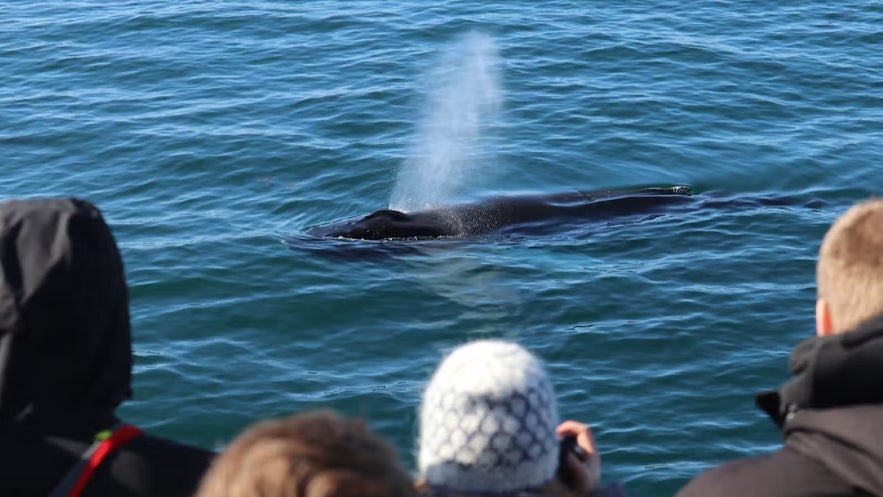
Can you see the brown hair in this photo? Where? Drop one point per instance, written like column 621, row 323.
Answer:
column 850, row 268
column 319, row 454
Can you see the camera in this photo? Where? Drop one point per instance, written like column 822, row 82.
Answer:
column 567, row 445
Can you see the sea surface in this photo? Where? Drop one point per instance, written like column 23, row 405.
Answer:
column 213, row 134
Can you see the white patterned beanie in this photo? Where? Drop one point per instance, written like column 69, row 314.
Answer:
column 487, row 421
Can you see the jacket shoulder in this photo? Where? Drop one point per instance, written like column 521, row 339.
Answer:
column 149, row 466
column 784, row 473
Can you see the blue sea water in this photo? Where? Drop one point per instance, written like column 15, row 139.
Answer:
column 213, row 132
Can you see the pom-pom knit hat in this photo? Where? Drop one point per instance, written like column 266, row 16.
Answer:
column 487, row 421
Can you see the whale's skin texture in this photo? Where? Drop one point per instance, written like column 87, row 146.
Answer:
column 505, row 212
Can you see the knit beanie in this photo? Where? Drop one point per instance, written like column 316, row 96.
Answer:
column 487, row 421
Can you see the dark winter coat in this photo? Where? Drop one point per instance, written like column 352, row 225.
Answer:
column 831, row 416
column 66, row 358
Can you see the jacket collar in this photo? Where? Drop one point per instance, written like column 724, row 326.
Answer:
column 833, row 371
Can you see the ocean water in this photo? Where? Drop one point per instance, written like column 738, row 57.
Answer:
column 212, row 134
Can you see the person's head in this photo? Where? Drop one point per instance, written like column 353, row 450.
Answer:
column 65, row 344
column 850, row 270
column 487, row 421
column 318, row 454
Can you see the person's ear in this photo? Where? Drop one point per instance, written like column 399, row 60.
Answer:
column 823, row 318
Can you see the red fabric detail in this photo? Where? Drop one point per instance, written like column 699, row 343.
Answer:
column 116, row 440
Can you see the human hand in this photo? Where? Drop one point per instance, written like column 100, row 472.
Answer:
column 583, row 465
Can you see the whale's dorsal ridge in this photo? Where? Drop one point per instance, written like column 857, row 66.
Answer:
column 390, row 213
column 672, row 190
column 682, row 190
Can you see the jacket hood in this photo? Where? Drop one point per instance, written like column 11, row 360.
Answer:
column 65, row 343
column 833, row 371
column 838, row 370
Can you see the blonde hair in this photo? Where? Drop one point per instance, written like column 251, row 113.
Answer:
column 850, row 268
column 317, row 454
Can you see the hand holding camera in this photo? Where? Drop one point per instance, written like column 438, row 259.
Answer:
column 579, row 465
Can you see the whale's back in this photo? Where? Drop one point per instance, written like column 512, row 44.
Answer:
column 494, row 214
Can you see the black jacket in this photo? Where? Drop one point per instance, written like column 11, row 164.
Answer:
column 66, row 358
column 831, row 415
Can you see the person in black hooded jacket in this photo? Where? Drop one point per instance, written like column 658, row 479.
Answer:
column 831, row 410
column 66, row 362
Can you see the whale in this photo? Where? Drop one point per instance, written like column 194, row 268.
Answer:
column 505, row 213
